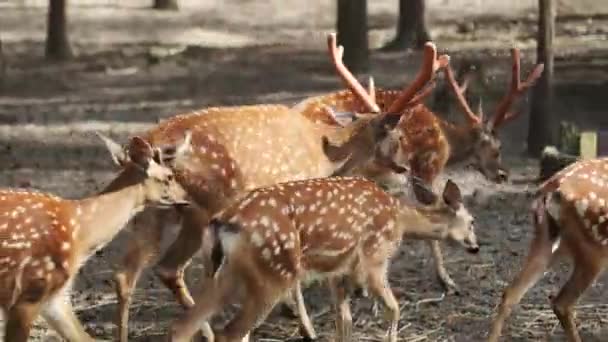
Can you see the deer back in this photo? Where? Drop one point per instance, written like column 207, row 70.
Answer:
column 297, row 229
column 580, row 191
column 246, row 147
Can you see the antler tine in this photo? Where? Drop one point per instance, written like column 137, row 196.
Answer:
column 430, row 65
column 459, row 92
column 371, row 88
column 421, row 95
column 350, row 81
column 516, row 88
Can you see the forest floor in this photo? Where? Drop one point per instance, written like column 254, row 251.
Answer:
column 239, row 52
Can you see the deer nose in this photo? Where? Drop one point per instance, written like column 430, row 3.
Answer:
column 502, row 176
column 473, row 249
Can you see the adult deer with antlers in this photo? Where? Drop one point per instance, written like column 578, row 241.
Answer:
column 426, row 141
column 341, row 229
column 570, row 219
column 44, row 239
column 237, row 149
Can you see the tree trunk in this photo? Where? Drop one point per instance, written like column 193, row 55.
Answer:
column 543, row 126
column 170, row 5
column 2, row 66
column 352, row 34
column 57, row 43
column 411, row 26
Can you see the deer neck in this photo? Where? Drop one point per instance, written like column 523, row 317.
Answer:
column 461, row 139
column 99, row 218
column 422, row 223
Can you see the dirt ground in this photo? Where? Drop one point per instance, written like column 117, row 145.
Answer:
column 238, row 52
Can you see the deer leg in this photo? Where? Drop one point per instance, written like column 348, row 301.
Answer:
column 308, row 331
column 344, row 320
column 212, row 295
column 256, row 307
column 539, row 258
column 444, row 277
column 178, row 256
column 582, row 277
column 378, row 284
column 143, row 247
column 60, row 316
column 19, row 321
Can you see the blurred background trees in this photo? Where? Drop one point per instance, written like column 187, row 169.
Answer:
column 57, row 42
column 352, row 33
column 170, row 5
column 411, row 26
column 543, row 124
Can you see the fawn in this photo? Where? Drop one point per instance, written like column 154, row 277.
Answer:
column 44, row 239
column 344, row 229
column 570, row 218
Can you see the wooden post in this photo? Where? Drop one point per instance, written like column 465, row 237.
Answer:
column 352, row 34
column 543, row 124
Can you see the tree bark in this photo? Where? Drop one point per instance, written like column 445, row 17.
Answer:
column 352, row 34
column 57, row 42
column 412, row 31
column 543, row 126
column 2, row 66
column 170, row 5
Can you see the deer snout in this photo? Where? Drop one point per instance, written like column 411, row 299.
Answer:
column 473, row 249
column 502, row 175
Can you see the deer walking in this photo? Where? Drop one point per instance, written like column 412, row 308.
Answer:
column 428, row 143
column 570, row 221
column 344, row 229
column 44, row 239
column 237, row 149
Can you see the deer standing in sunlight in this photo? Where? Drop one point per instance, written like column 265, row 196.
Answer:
column 343, row 229
column 44, row 240
column 426, row 141
column 570, row 220
column 237, row 149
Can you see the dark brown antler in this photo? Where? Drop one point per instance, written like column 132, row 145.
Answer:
column 430, row 65
column 350, row 81
column 459, row 93
column 503, row 111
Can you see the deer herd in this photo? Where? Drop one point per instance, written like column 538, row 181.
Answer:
column 273, row 197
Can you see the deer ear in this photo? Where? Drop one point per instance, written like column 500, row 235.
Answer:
column 169, row 154
column 140, row 152
column 422, row 192
column 451, row 195
column 118, row 154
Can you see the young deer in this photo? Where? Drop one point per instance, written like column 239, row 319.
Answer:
column 236, row 149
column 570, row 214
column 344, row 229
column 45, row 239
column 426, row 142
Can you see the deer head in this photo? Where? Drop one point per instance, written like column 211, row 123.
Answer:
column 483, row 134
column 459, row 224
column 374, row 141
column 140, row 162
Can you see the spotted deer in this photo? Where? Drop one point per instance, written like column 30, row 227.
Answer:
column 428, row 143
column 44, row 239
column 237, row 149
column 343, row 229
column 570, row 214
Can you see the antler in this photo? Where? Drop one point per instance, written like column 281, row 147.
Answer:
column 336, row 53
column 503, row 113
column 459, row 92
column 429, row 66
